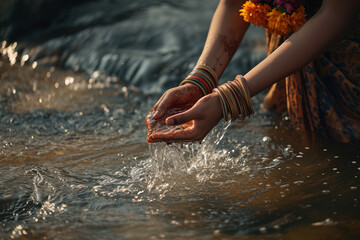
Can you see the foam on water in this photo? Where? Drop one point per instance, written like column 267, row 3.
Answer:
column 183, row 158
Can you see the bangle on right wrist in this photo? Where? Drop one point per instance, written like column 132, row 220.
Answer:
column 235, row 99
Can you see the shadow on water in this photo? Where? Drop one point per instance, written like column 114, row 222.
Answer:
column 74, row 162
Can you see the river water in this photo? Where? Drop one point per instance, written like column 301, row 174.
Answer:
column 74, row 162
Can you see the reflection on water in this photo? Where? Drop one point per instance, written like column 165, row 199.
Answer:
column 74, row 164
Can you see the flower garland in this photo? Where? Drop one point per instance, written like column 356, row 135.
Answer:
column 277, row 16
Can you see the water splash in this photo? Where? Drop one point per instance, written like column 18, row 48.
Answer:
column 10, row 52
column 177, row 159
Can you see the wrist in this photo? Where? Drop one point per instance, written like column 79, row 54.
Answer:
column 235, row 99
column 218, row 109
column 192, row 89
column 203, row 77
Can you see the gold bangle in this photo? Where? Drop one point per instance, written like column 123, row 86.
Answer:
column 232, row 101
column 239, row 99
column 226, row 102
column 244, row 99
column 247, row 92
column 235, row 99
column 225, row 115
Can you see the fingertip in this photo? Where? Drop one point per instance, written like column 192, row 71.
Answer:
column 170, row 121
column 156, row 114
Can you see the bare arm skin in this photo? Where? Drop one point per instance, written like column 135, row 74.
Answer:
column 226, row 32
column 224, row 37
column 326, row 27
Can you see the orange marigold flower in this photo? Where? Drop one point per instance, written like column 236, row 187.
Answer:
column 298, row 18
column 279, row 23
column 255, row 13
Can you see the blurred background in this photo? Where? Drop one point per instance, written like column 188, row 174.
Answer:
column 151, row 44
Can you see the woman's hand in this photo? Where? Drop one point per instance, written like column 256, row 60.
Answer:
column 200, row 119
column 173, row 101
column 178, row 97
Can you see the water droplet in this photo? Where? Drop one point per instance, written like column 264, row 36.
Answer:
column 266, row 138
column 69, row 80
column 326, row 222
column 95, row 74
column 176, row 223
column 24, row 59
column 262, row 229
column 298, row 182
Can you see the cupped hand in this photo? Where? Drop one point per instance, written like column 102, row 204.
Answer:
column 178, row 97
column 173, row 101
column 195, row 123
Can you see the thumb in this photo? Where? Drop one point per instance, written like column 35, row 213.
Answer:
column 181, row 118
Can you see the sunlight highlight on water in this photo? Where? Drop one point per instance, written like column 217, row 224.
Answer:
column 176, row 158
column 74, row 163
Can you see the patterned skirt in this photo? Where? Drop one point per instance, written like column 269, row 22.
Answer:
column 324, row 96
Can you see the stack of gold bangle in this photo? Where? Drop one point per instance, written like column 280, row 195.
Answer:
column 235, row 99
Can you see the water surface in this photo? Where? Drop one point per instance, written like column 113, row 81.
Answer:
column 74, row 162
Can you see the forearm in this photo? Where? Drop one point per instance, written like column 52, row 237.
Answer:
column 225, row 34
column 322, row 30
